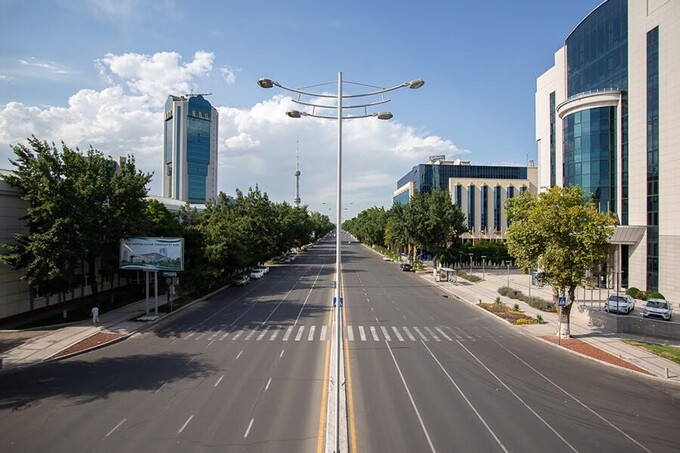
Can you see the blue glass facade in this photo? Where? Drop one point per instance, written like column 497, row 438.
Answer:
column 402, row 197
column 597, row 50
column 553, row 147
column 653, row 159
column 459, row 196
column 198, row 147
column 427, row 177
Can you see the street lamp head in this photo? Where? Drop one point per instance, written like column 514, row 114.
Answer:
column 384, row 115
column 294, row 113
column 266, row 83
column 415, row 84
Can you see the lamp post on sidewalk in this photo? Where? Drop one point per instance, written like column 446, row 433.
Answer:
column 471, row 262
column 483, row 263
column 314, row 100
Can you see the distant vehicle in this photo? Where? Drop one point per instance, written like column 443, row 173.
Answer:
column 619, row 303
column 658, row 307
column 256, row 273
column 387, row 258
column 264, row 269
column 241, row 280
column 288, row 259
column 406, row 267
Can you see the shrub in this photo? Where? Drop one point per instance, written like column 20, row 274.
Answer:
column 539, row 318
column 515, row 307
column 526, row 321
column 656, row 295
column 634, row 292
column 498, row 299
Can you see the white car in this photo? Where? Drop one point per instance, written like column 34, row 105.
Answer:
column 619, row 303
column 241, row 280
column 658, row 307
column 264, row 269
column 256, row 273
column 387, row 258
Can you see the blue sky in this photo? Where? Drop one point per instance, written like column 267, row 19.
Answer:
column 97, row 72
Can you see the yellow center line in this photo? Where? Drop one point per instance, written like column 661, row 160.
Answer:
column 324, row 393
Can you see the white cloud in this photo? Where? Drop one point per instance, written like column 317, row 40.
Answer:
column 229, row 74
column 257, row 144
column 49, row 66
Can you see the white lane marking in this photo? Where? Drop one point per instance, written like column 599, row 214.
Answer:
column 264, row 332
column 200, row 336
column 250, row 425
column 463, row 333
column 310, row 337
column 211, row 343
column 159, row 388
column 238, row 334
column 190, row 335
column 455, row 333
column 434, row 335
column 274, row 335
column 372, row 309
column 239, row 355
column 266, row 387
column 218, row 381
column 350, row 333
column 374, row 333
column 191, row 360
column 408, row 332
column 385, row 333
column 575, row 399
column 396, row 332
column 420, row 334
column 488, row 428
column 518, row 398
column 116, row 427
column 308, row 294
column 226, row 334
column 185, row 424
column 250, row 335
column 299, row 334
column 413, row 403
column 212, row 337
column 281, row 355
column 443, row 334
column 287, row 334
column 324, row 328
column 362, row 333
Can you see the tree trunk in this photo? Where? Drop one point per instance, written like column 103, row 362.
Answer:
column 91, row 270
column 565, row 315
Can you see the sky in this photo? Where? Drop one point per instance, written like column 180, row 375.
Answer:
column 97, row 73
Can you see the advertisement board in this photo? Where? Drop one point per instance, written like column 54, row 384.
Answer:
column 152, row 254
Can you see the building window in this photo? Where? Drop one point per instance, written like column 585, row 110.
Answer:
column 485, row 208
column 510, row 194
column 459, row 196
column 497, row 205
column 471, row 208
column 653, row 159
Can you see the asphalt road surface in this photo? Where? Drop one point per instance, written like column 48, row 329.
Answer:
column 244, row 372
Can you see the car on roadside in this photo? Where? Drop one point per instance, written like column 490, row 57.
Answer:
column 658, row 307
column 619, row 303
column 264, row 269
column 241, row 280
column 387, row 258
column 256, row 274
column 406, row 267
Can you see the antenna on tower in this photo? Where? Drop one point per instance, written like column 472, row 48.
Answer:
column 188, row 95
column 296, row 200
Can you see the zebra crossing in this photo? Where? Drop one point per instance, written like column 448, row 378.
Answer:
column 353, row 333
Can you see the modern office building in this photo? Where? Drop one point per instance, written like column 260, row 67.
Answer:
column 480, row 191
column 607, row 119
column 190, row 149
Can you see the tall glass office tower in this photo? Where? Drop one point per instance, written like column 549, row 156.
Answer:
column 606, row 120
column 190, row 149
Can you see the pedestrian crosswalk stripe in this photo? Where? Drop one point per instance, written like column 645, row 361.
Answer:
column 299, row 334
column 310, row 337
column 274, row 335
column 398, row 335
column 420, row 334
column 374, row 333
column 443, row 334
column 238, row 334
column 323, row 333
column 263, row 333
column 434, row 335
column 250, row 335
column 287, row 334
column 362, row 333
column 410, row 335
column 387, row 335
column 350, row 333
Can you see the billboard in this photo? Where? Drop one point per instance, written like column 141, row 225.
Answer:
column 152, row 254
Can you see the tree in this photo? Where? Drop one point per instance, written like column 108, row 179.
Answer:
column 80, row 206
column 561, row 233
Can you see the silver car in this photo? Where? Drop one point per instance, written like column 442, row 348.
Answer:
column 658, row 307
column 619, row 303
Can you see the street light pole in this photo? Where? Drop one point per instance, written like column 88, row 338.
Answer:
column 317, row 106
column 483, row 263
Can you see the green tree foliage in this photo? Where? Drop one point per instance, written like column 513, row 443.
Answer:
column 80, row 206
column 160, row 222
column 561, row 233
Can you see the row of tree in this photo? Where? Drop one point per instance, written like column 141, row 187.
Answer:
column 80, row 204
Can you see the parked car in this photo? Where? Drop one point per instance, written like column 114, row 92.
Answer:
column 264, row 269
column 406, row 267
column 241, row 280
column 619, row 303
column 387, row 258
column 256, row 273
column 658, row 307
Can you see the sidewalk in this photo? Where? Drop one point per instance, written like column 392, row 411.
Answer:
column 119, row 323
column 487, row 291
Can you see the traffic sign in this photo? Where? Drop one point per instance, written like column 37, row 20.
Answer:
column 562, row 301
column 169, row 274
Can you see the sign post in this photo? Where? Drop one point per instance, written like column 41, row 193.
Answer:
column 561, row 302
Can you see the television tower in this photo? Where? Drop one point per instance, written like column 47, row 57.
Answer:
column 296, row 200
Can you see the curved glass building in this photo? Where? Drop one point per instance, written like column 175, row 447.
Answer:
column 606, row 121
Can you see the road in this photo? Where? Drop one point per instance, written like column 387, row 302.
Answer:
column 430, row 373
column 245, row 372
